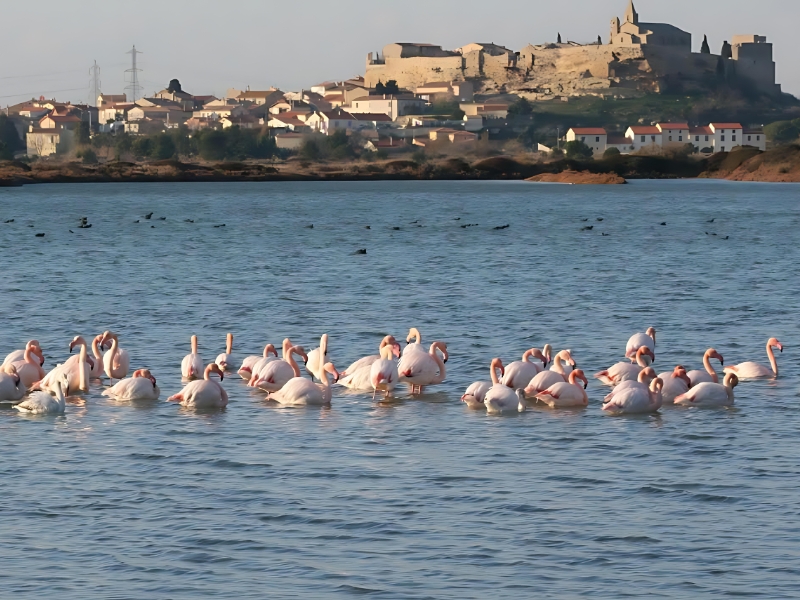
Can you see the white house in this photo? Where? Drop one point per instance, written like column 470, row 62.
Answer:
column 594, row 137
column 726, row 136
column 673, row 134
column 702, row 138
column 387, row 104
column 754, row 138
column 644, row 137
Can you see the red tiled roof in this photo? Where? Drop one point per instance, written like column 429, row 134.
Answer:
column 705, row 130
column 645, row 130
column 588, row 131
column 62, row 118
column 754, row 131
column 726, row 125
column 673, row 125
column 338, row 116
column 372, row 117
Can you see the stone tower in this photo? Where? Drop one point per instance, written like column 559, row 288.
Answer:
column 631, row 16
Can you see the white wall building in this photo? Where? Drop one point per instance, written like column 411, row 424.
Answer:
column 594, row 137
column 726, row 136
column 644, row 137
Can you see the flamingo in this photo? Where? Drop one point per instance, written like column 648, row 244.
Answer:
column 11, row 388
column 18, row 355
column 77, row 369
column 140, row 386
column 519, row 373
column 563, row 364
column 303, row 392
column 566, row 394
column 116, row 361
column 277, row 373
column 192, row 364
column 42, row 403
column 752, row 370
column 315, row 365
column 246, row 370
column 423, row 368
column 383, row 374
column 622, row 370
column 203, row 393
column 367, row 361
column 416, row 346
column 641, row 340
column 710, row 395
column 636, row 400
column 226, row 360
column 475, row 395
column 500, row 398
column 675, row 383
column 29, row 370
column 709, row 375
column 286, row 349
column 95, row 363
column 646, row 375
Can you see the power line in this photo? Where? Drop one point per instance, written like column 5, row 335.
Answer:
column 42, row 92
column 134, row 86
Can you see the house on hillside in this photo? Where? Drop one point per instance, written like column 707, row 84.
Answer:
column 645, row 137
column 594, row 137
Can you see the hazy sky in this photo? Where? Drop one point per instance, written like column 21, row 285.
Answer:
column 212, row 45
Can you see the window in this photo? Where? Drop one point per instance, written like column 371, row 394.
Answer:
column 583, row 139
column 749, row 138
column 670, row 138
column 722, row 138
column 597, row 139
column 697, row 138
column 758, row 138
column 644, row 138
column 652, row 138
column 733, row 138
column 723, row 148
column 680, row 138
column 706, row 138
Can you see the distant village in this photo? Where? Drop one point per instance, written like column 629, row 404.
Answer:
column 393, row 108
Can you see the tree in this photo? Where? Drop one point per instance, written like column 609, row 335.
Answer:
column 9, row 135
column 392, row 87
column 599, row 41
column 5, row 152
column 705, row 48
column 559, row 38
column 163, row 147
column 174, row 86
column 727, row 51
column 612, row 153
column 380, row 88
column 520, row 108
column 783, row 132
column 577, row 149
column 82, row 134
column 528, row 138
column 212, row 145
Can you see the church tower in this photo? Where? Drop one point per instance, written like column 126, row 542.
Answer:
column 631, row 16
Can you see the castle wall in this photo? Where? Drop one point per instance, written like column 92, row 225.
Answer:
column 412, row 72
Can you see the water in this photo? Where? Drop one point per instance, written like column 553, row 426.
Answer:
column 410, row 498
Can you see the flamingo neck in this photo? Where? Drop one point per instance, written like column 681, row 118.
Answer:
column 29, row 357
column 558, row 366
column 194, row 344
column 495, row 379
column 287, row 349
column 773, row 363
column 289, row 358
column 442, row 369
column 96, row 349
column 83, row 369
column 229, row 345
column 709, row 368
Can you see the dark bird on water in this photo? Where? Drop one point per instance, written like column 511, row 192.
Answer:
column 588, row 228
column 9, row 221
column 710, row 220
column 85, row 226
column 606, row 234
column 457, row 219
column 148, row 215
column 584, row 220
column 152, row 226
column 395, row 229
column 361, row 251
column 223, row 225
column 39, row 235
column 162, row 218
column 600, row 219
column 367, row 227
column 136, row 221
column 664, row 223
column 186, row 221
column 502, row 227
column 309, row 227
column 726, row 237
column 70, row 230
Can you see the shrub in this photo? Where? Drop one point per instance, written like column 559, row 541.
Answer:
column 577, row 149
column 611, row 153
column 87, row 155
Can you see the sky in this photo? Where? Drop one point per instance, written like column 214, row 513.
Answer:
column 211, row 46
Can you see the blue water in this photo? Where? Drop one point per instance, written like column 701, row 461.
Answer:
column 413, row 498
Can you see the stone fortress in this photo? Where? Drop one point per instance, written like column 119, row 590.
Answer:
column 639, row 57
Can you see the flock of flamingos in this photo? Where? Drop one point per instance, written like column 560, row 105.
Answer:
column 539, row 376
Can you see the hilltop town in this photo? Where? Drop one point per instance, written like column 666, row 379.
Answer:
column 480, row 99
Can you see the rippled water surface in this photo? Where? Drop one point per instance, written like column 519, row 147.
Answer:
column 412, row 498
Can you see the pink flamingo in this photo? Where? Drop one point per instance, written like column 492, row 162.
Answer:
column 752, row 370
column 709, row 375
column 676, row 382
column 646, row 375
column 11, row 388
column 140, row 386
column 192, row 364
column 43, row 403
column 278, row 373
column 422, row 369
column 367, row 361
column 300, row 391
column 500, row 398
column 18, row 355
column 636, row 400
column 519, row 373
column 556, row 374
column 623, row 371
column 566, row 395
column 710, row 395
column 476, row 394
column 246, row 370
column 116, row 362
column 225, row 360
column 29, row 370
column 77, row 370
column 641, row 340
column 203, row 393
column 383, row 374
